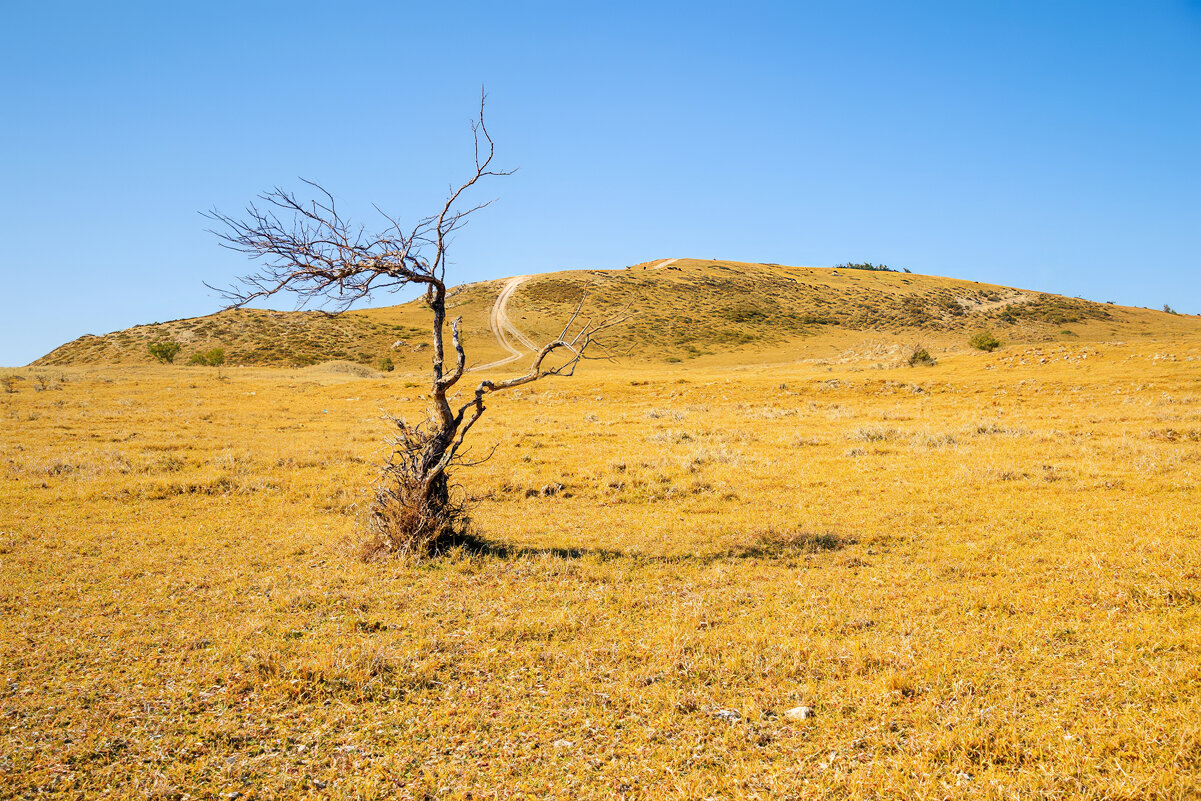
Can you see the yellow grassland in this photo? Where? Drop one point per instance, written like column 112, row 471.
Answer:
column 984, row 577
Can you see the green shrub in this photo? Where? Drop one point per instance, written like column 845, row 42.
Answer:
column 921, row 356
column 985, row 341
column 210, row 358
column 165, row 352
column 386, row 364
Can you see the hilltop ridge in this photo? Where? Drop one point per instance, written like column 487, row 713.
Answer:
column 679, row 310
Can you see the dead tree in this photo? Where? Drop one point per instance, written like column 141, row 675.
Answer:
column 309, row 249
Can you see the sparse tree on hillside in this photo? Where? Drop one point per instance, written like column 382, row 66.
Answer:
column 309, row 249
column 165, row 352
column 209, row 358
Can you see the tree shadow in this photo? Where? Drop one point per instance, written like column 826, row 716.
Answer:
column 767, row 544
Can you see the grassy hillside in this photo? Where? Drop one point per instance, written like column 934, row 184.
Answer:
column 679, row 311
column 249, row 336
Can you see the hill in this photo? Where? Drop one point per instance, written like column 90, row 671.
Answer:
column 679, row 310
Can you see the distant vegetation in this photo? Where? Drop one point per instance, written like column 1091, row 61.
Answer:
column 985, row 341
column 867, row 265
column 210, row 358
column 922, row 357
column 165, row 352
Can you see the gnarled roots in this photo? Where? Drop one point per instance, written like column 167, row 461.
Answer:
column 413, row 513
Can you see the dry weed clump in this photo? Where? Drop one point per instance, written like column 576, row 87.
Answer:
column 874, row 434
column 402, row 521
column 773, row 542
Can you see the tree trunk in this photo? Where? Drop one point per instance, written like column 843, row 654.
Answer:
column 435, row 489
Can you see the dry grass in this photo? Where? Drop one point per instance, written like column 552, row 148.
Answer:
column 997, row 597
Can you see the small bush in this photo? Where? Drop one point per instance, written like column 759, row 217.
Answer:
column 985, row 341
column 921, row 356
column 210, row 358
column 165, row 352
column 9, row 382
column 386, row 364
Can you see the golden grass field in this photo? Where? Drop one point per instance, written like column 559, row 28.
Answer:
column 984, row 577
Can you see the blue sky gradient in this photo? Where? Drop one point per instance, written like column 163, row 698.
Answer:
column 1046, row 145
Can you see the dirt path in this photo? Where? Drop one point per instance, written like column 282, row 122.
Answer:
column 662, row 264
column 502, row 326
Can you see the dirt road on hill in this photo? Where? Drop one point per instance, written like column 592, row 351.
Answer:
column 502, row 326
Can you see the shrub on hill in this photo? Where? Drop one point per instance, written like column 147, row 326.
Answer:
column 210, row 358
column 985, row 341
column 165, row 352
column 921, row 356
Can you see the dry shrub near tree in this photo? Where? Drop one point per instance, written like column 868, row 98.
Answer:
column 309, row 249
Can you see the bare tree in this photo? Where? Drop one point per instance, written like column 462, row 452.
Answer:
column 309, row 249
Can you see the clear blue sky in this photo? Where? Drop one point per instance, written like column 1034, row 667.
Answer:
column 1045, row 144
